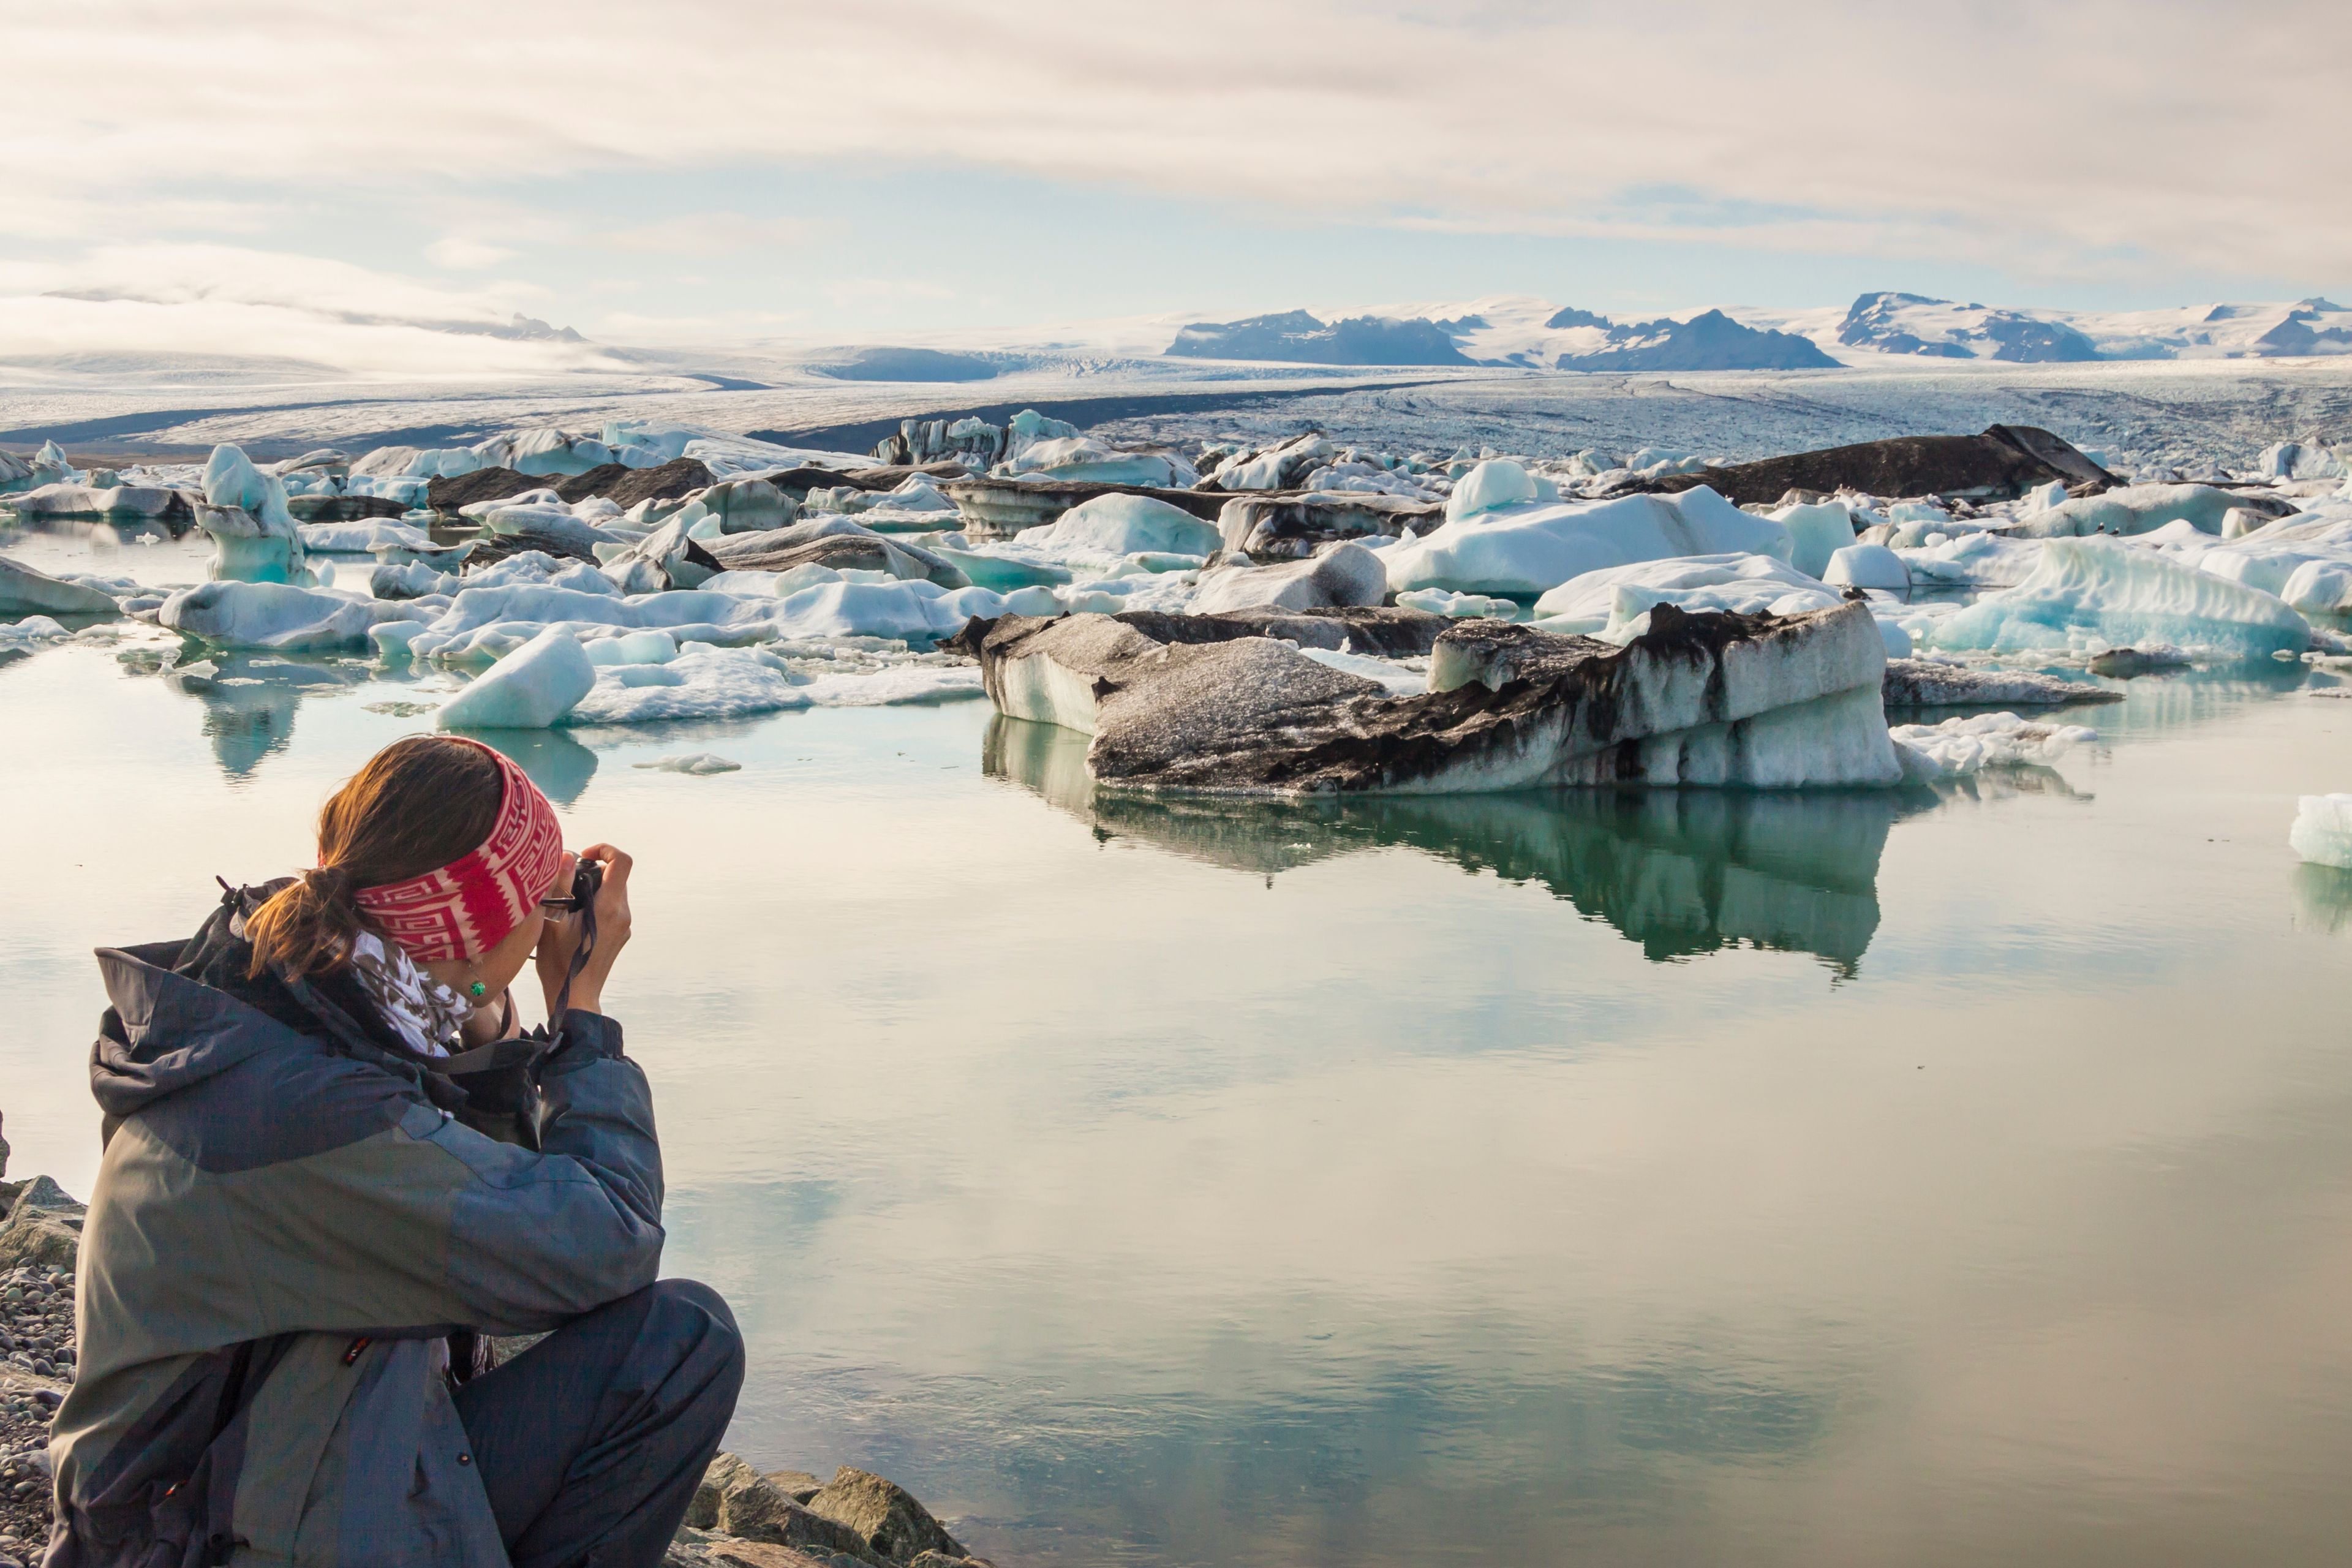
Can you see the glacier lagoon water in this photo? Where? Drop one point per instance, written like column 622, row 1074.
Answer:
column 1935, row 1177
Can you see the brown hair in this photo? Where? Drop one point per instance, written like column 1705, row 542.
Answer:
column 419, row 804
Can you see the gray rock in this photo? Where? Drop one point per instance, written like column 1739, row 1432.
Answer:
column 885, row 1516
column 736, row 1500
column 43, row 1228
column 1336, row 575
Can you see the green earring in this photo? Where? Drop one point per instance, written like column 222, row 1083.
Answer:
column 477, row 990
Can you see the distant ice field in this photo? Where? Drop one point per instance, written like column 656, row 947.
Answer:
column 2140, row 414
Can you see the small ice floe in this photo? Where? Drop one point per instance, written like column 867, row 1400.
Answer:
column 696, row 762
column 32, row 628
column 2322, row 832
column 1960, row 746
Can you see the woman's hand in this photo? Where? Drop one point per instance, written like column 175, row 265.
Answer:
column 559, row 939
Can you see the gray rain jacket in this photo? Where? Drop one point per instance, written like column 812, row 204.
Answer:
column 289, row 1216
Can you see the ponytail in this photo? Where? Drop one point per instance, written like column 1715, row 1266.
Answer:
column 307, row 926
column 420, row 803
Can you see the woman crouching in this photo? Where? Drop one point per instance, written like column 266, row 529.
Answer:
column 333, row 1164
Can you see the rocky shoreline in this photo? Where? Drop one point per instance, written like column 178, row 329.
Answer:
column 740, row 1518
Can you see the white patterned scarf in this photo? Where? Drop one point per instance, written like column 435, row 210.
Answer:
column 420, row 1009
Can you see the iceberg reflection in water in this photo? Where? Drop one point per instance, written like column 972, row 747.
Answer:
column 1681, row 871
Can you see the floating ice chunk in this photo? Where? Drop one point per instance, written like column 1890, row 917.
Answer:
column 530, row 689
column 275, row 615
column 2041, row 498
column 2087, row 591
column 1588, row 602
column 1867, row 567
column 411, row 580
column 1467, row 606
column 2322, row 832
column 895, row 609
column 707, row 683
column 1083, row 458
column 2320, row 588
column 363, row 536
column 698, row 763
column 1124, row 524
column 537, row 567
column 23, row 589
column 1274, row 467
column 1974, row 559
column 1948, row 683
column 633, row 648
column 1499, row 483
column 32, row 628
column 2134, row 508
column 231, row 479
column 1336, row 574
column 895, row 688
column 1969, row 745
column 1028, row 427
column 1817, row 531
column 2300, row 460
column 392, row 639
column 1536, row 546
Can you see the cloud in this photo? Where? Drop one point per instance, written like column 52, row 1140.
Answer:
column 227, row 303
column 2051, row 138
column 460, row 254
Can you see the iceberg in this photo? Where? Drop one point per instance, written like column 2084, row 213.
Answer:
column 276, row 615
column 1753, row 585
column 1817, row 531
column 24, row 591
column 1124, row 525
column 2322, row 832
column 1498, row 482
column 1962, row 746
column 2134, row 508
column 1339, row 574
column 363, row 537
column 707, row 683
column 2093, row 594
column 230, row 479
column 1695, row 700
column 1868, row 566
column 1533, row 546
column 529, row 689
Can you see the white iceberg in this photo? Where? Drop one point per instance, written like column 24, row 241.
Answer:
column 1969, row 745
column 529, row 689
column 2322, row 832
column 276, row 615
column 1125, row 525
column 1533, row 546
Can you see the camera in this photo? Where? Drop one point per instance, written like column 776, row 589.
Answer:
column 584, row 883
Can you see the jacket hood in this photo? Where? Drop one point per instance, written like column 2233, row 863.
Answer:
column 167, row 1031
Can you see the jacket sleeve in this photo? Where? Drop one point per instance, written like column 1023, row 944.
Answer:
column 376, row 1211
column 537, row 1237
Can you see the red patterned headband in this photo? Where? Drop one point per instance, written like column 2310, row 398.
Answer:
column 476, row 902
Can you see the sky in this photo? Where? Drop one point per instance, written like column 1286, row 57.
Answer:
column 258, row 177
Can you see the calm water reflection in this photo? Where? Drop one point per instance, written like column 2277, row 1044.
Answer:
column 1177, row 1182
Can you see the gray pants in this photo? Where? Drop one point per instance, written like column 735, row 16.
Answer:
column 591, row 1443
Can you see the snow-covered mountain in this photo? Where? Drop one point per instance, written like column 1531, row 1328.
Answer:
column 1876, row 329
